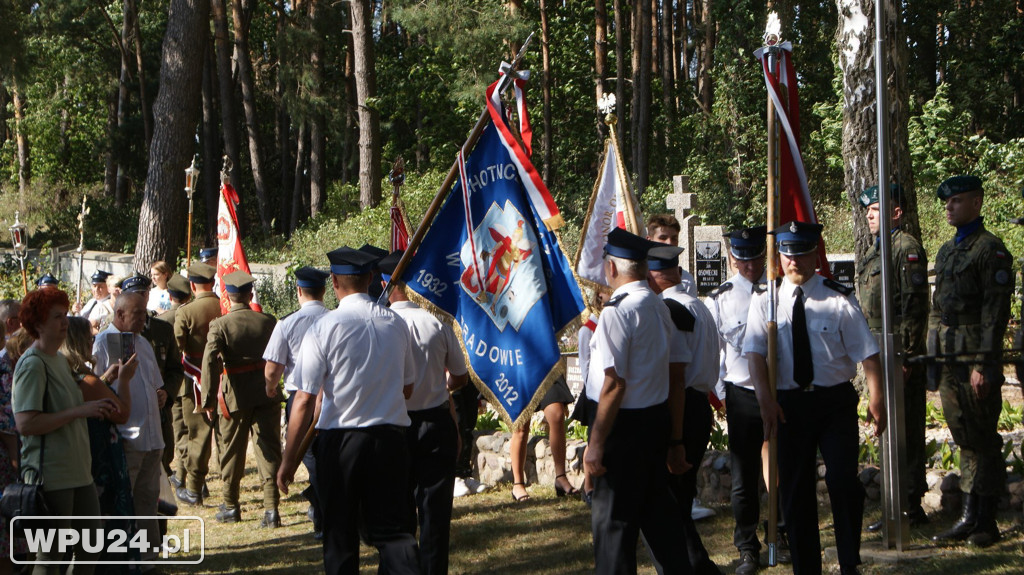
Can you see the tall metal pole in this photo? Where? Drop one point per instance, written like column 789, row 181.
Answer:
column 772, row 42
column 895, row 527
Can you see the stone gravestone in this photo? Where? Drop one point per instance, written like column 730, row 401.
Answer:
column 709, row 258
column 680, row 202
column 843, row 269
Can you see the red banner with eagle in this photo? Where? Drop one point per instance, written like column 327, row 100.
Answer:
column 230, row 254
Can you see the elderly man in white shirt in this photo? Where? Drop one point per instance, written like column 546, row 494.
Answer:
column 143, row 439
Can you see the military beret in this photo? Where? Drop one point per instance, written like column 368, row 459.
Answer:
column 207, row 253
column 178, row 287
column 349, row 261
column 797, row 238
column 958, row 185
column 201, row 273
column 238, row 281
column 870, row 195
column 46, row 280
column 99, row 277
column 663, row 257
column 311, row 278
column 136, row 283
column 622, row 244
column 748, row 243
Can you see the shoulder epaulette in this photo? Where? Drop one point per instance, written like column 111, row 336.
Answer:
column 684, row 320
column 615, row 300
column 763, row 286
column 838, row 287
column 720, row 290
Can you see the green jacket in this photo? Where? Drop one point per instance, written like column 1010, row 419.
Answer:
column 910, row 291
column 235, row 347
column 974, row 282
column 160, row 335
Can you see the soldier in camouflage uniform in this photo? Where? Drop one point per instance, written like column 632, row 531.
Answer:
column 910, row 326
column 970, row 310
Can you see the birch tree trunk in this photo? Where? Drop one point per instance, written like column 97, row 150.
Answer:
column 175, row 113
column 366, row 91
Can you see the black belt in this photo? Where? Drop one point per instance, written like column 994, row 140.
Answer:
column 819, row 388
column 443, row 408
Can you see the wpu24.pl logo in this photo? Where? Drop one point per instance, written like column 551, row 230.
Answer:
column 120, row 540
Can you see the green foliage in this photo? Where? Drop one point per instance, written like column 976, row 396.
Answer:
column 576, row 430
column 489, row 421
column 719, row 440
column 1011, row 417
column 934, row 416
column 869, row 451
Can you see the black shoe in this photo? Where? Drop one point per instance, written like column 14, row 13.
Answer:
column 225, row 515
column 967, row 523
column 318, row 536
column 177, row 483
column 875, row 527
column 186, row 495
column 917, row 516
column 271, row 519
column 848, row 570
column 749, row 563
column 986, row 532
column 588, row 498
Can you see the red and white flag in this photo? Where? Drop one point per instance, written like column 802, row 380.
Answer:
column 399, row 229
column 230, row 253
column 607, row 211
column 794, row 195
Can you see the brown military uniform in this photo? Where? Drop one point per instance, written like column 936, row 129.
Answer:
column 191, row 325
column 910, row 326
column 235, row 347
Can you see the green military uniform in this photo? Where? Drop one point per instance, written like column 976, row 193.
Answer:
column 191, row 325
column 235, row 347
column 970, row 310
column 160, row 335
column 910, row 326
column 179, row 289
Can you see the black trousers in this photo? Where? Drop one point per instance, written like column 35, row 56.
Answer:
column 433, row 442
column 821, row 420
column 362, row 471
column 310, row 462
column 746, row 436
column 633, row 496
column 466, row 405
column 697, row 419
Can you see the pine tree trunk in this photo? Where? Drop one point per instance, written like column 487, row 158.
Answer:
column 140, row 71
column 545, row 51
column 600, row 59
column 241, row 13
column 121, row 191
column 369, row 117
column 705, row 92
column 621, row 24
column 21, row 136
column 229, row 125
column 110, row 153
column 283, row 121
column 211, row 146
column 300, row 157
column 317, row 131
column 641, row 110
column 668, row 101
column 175, row 113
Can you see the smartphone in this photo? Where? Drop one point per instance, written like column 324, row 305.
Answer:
column 127, row 345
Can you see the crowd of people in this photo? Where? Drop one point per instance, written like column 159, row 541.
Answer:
column 147, row 376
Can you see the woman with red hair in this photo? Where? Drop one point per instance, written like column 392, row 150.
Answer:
column 50, row 414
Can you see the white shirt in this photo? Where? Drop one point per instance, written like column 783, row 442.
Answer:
column 729, row 308
column 689, row 285
column 636, row 336
column 361, row 356
column 96, row 310
column 286, row 339
column 159, row 300
column 839, row 334
column 435, row 348
column 591, row 388
column 703, row 342
column 142, row 430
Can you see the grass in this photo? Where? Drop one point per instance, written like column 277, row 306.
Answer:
column 547, row 535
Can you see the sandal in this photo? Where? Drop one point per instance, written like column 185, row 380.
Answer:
column 521, row 498
column 562, row 492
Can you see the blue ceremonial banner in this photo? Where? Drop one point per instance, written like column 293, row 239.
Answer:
column 507, row 287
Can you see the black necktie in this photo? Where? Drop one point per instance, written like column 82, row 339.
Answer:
column 803, row 364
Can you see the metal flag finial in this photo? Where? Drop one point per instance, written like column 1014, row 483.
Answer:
column 607, row 106
column 225, row 172
column 773, row 30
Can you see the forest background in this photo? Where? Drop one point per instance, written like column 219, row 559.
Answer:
column 312, row 101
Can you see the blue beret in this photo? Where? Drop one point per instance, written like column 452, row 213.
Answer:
column 622, row 244
column 136, row 283
column 958, row 185
column 797, row 238
column 663, row 257
column 311, row 278
column 748, row 243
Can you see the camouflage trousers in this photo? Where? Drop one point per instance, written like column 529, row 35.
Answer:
column 973, row 422
column 914, row 410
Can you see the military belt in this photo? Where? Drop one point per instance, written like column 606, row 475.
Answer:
column 244, row 368
column 958, row 319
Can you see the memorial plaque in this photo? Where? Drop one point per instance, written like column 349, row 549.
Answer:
column 844, row 271
column 573, row 375
column 708, row 264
